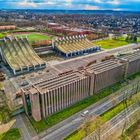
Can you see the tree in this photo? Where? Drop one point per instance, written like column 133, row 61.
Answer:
column 98, row 124
column 135, row 38
column 134, row 98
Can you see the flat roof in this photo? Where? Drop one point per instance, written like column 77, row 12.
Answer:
column 132, row 56
column 59, row 81
column 103, row 66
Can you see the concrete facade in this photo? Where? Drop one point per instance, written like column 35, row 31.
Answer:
column 56, row 93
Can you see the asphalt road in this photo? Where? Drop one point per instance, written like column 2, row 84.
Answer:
column 24, row 131
column 63, row 129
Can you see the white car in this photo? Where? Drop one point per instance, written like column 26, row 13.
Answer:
column 85, row 113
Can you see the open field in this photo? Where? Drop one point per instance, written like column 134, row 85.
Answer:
column 112, row 43
column 12, row 134
column 35, row 37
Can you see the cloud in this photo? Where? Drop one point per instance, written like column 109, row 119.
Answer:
column 27, row 3
column 90, row 7
column 132, row 5
column 114, row 2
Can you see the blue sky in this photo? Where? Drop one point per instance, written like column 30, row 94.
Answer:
column 129, row 5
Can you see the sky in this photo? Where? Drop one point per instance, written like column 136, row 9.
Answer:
column 126, row 5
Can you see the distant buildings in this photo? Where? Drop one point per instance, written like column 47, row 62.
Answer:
column 61, row 29
column 7, row 27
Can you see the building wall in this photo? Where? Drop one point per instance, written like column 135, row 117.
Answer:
column 45, row 104
column 64, row 96
column 133, row 67
column 35, row 106
column 108, row 78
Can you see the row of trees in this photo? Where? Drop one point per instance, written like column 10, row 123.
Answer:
column 131, row 38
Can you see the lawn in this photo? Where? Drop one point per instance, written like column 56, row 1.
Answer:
column 112, row 43
column 12, row 134
column 138, row 40
column 2, row 35
column 35, row 37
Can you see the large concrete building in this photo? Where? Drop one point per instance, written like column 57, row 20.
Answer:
column 61, row 90
column 19, row 55
column 74, row 45
column 60, row 85
column 52, row 95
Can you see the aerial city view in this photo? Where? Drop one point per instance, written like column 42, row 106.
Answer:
column 69, row 69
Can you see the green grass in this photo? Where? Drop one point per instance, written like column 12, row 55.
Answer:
column 2, row 35
column 134, row 76
column 35, row 37
column 138, row 40
column 80, row 134
column 58, row 117
column 12, row 134
column 112, row 43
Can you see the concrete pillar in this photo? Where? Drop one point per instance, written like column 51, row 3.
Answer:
column 92, row 83
column 68, row 94
column 49, row 103
column 74, row 93
column 62, row 90
column 83, row 87
column 46, row 102
column 60, row 99
column 67, row 97
column 71, row 93
column 57, row 104
column 54, row 100
column 51, row 95
column 78, row 91
column 43, row 105
column 35, row 105
column 64, row 96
